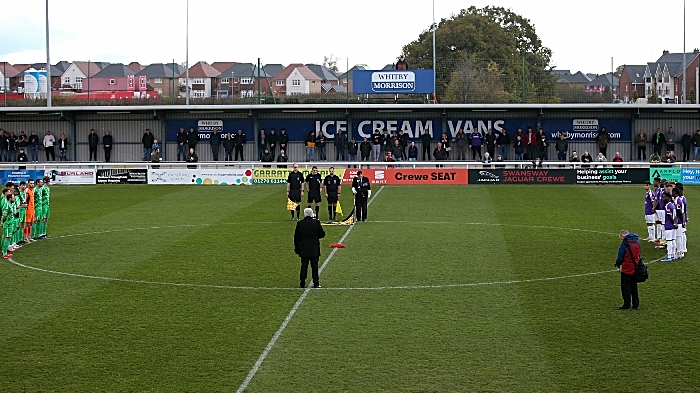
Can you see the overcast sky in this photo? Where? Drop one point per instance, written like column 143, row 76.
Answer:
column 582, row 35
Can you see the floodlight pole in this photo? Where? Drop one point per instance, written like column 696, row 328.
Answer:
column 187, row 55
column 684, row 63
column 434, row 27
column 48, row 60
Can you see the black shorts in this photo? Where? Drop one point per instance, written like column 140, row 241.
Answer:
column 332, row 197
column 295, row 195
column 314, row 196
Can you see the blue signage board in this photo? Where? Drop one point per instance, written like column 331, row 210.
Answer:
column 585, row 130
column 19, row 175
column 393, row 82
column 690, row 175
column 498, row 125
column 298, row 129
column 205, row 127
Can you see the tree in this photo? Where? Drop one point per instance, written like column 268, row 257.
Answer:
column 607, row 95
column 331, row 62
column 635, row 96
column 654, row 97
column 476, row 85
column 491, row 35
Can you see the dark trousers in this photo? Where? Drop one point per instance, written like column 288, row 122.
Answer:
column 531, row 151
column 476, row 150
column 686, row 154
column 238, row 149
column 561, row 156
column 228, row 155
column 642, row 153
column 305, row 268
column 108, row 154
column 492, row 151
column 360, row 208
column 426, row 152
column 50, row 152
column 339, row 153
column 628, row 285
column 181, row 149
column 93, row 153
column 215, row 152
column 604, row 150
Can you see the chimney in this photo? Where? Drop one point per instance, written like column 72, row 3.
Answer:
column 696, row 51
column 665, row 52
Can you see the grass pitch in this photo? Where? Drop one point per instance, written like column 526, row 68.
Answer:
column 473, row 288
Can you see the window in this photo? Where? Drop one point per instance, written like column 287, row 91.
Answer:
column 246, row 81
column 345, row 80
column 198, row 93
column 78, row 79
column 199, row 81
column 66, row 80
column 235, row 80
column 246, row 93
column 648, row 80
column 157, row 80
column 666, row 79
column 279, row 82
column 112, row 82
column 668, row 91
column 296, row 82
column 224, row 80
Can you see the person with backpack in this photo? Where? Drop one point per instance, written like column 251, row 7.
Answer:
column 628, row 257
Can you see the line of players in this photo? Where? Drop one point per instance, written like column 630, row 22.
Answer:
column 25, row 213
column 666, row 215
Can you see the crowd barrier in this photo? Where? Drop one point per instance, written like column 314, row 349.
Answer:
column 395, row 173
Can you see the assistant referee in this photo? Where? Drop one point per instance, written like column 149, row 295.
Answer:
column 295, row 183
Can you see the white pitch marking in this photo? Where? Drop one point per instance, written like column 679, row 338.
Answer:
column 277, row 335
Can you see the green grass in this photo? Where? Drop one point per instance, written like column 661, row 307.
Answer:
column 438, row 292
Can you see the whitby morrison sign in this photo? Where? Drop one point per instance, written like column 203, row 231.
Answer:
column 393, row 82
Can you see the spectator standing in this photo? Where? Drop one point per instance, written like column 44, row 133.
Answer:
column 542, row 146
column 461, row 142
column 192, row 140
column 670, row 140
column 562, row 147
column 413, row 152
column 628, row 256
column 490, row 139
column 307, row 245
column 239, row 142
column 147, row 140
column 341, row 141
column 446, row 145
column 93, row 141
column 262, row 143
column 401, row 63
column 272, row 141
column 215, row 142
column 377, row 141
column 365, row 149
column 12, row 148
column 181, row 140
column 387, row 141
column 49, row 141
column 503, row 141
column 426, row 139
column 403, row 141
column 352, row 150
column 63, row 148
column 310, row 143
column 397, row 151
column 603, row 139
column 519, row 148
column 33, row 145
column 530, row 144
column 156, row 145
column 3, row 145
column 107, row 144
column 283, row 139
column 229, row 144
column 687, row 144
column 696, row 145
column 641, row 140
column 321, row 146
column 657, row 141
column 22, row 141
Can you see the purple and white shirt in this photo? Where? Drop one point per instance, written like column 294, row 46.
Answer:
column 649, row 203
column 670, row 222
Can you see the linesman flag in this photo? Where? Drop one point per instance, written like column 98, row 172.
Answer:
column 291, row 205
column 338, row 209
column 349, row 220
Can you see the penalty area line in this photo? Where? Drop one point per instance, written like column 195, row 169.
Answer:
column 279, row 331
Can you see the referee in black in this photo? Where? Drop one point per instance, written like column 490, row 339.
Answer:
column 295, row 190
column 362, row 191
column 313, row 186
column 331, row 186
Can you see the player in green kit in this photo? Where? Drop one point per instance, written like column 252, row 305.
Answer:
column 38, row 209
column 16, row 206
column 7, row 215
column 19, row 236
column 46, row 211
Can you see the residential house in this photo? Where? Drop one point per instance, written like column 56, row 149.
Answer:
column 273, row 69
column 8, row 75
column 346, row 78
column 72, row 78
column 600, row 82
column 117, row 77
column 327, row 75
column 296, row 79
column 566, row 77
column 631, row 81
column 244, row 80
column 135, row 66
column 163, row 78
column 201, row 83
column 327, row 88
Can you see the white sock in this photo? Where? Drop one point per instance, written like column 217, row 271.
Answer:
column 650, row 231
column 670, row 249
column 659, row 232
